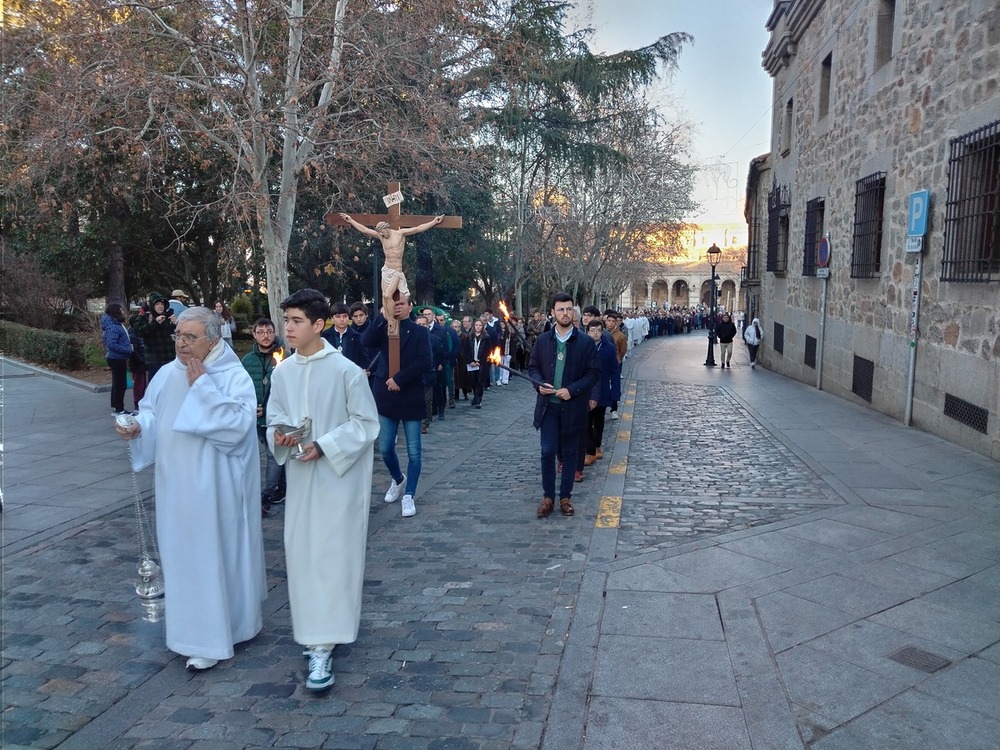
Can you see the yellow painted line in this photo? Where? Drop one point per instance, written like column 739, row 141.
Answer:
column 609, row 512
column 618, row 468
column 630, row 402
column 626, row 417
column 624, row 434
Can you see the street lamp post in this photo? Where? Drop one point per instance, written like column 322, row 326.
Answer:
column 714, row 254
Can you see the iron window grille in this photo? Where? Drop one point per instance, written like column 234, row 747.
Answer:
column 972, row 214
column 815, row 219
column 779, row 204
column 869, row 207
column 863, row 378
column 809, row 355
column 754, row 243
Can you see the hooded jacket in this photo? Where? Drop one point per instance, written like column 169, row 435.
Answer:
column 754, row 334
column 156, row 336
column 116, row 341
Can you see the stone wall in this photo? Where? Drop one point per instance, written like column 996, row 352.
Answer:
column 942, row 81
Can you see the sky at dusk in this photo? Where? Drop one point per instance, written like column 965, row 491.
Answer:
column 720, row 87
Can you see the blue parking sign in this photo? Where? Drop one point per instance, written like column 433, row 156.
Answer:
column 916, row 223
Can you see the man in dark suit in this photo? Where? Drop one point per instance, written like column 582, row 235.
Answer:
column 439, row 349
column 399, row 397
column 565, row 359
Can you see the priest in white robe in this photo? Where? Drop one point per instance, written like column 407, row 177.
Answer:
column 329, row 485
column 197, row 423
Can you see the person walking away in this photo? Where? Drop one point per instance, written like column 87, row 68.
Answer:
column 156, row 328
column 117, row 350
column 726, row 331
column 565, row 360
column 400, row 398
column 329, row 482
column 228, row 321
column 196, row 424
column 478, row 346
column 753, row 335
column 259, row 363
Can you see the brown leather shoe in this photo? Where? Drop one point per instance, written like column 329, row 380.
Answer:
column 589, row 460
column 578, row 477
column 546, row 506
column 566, row 507
column 599, row 454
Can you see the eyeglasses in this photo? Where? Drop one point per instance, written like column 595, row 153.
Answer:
column 186, row 338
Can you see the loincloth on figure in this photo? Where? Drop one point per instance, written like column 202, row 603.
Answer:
column 388, row 275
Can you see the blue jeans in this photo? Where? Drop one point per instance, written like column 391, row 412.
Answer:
column 387, row 429
column 554, row 441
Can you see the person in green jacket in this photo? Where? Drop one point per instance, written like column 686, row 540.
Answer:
column 260, row 362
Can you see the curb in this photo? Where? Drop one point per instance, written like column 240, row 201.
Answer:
column 36, row 370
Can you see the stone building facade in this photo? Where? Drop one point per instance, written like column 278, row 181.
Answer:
column 875, row 101
column 685, row 283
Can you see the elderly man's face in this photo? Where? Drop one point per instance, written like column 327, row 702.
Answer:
column 190, row 341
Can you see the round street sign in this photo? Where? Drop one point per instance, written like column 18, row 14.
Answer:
column 823, row 252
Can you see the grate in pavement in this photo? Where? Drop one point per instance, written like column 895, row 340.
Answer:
column 925, row 661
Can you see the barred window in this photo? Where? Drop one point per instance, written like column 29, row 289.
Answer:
column 754, row 244
column 972, row 215
column 869, row 205
column 815, row 219
column 778, row 205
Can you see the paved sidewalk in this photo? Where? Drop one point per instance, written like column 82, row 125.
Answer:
column 754, row 564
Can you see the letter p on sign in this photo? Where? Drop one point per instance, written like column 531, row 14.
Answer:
column 920, row 203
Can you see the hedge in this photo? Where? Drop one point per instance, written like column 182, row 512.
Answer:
column 63, row 350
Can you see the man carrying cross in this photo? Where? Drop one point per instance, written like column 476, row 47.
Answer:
column 393, row 244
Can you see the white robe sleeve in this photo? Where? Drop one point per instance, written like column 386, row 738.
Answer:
column 348, row 442
column 143, row 448
column 221, row 412
column 277, row 413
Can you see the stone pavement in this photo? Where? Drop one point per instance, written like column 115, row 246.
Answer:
column 754, row 564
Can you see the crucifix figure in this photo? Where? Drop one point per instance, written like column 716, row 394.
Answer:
column 393, row 243
column 391, row 230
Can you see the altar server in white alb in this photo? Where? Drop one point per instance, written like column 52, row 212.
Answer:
column 197, row 423
column 329, row 482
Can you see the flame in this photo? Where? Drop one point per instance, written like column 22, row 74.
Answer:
column 495, row 358
column 279, row 354
column 505, row 311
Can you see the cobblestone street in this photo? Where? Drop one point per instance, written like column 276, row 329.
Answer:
column 717, row 549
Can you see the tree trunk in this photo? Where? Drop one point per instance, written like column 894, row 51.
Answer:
column 116, row 274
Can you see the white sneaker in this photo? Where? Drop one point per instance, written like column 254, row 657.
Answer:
column 200, row 662
column 320, row 669
column 614, row 415
column 392, row 494
column 409, row 509
column 753, row 365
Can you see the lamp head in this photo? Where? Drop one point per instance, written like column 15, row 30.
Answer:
column 714, row 254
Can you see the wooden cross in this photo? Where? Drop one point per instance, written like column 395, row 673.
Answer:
column 397, row 221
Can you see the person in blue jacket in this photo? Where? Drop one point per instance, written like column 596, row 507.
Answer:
column 118, row 348
column 565, row 360
column 607, row 391
column 399, row 397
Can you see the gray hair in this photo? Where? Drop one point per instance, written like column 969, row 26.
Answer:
column 209, row 318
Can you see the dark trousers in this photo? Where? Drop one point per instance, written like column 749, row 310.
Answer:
column 476, row 378
column 138, row 386
column 595, row 431
column 753, row 351
column 119, row 380
column 556, row 441
column 440, row 399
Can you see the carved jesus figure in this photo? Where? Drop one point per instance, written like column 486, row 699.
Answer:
column 393, row 243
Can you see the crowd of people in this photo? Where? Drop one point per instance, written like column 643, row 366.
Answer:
column 308, row 404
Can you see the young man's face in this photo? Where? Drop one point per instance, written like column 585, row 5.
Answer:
column 595, row 332
column 611, row 322
column 359, row 317
column 422, row 321
column 587, row 317
column 299, row 330
column 340, row 321
column 562, row 313
column 264, row 336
